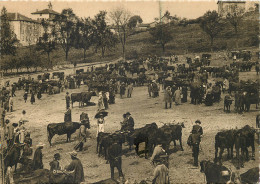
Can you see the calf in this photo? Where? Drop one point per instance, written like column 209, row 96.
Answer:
column 62, row 128
column 214, row 173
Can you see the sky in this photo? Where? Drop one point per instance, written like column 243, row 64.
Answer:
column 148, row 10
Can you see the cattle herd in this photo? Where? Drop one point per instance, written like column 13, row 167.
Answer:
column 204, row 83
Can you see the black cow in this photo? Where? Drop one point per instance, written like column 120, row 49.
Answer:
column 75, row 97
column 224, row 139
column 244, row 138
column 12, row 156
column 147, row 134
column 214, row 172
column 86, row 97
column 62, row 128
column 171, row 133
column 251, row 176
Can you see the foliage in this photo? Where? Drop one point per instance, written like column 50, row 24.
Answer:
column 65, row 25
column 104, row 38
column 134, row 20
column 48, row 41
column 8, row 40
column 84, row 34
column 211, row 24
column 234, row 17
column 161, row 34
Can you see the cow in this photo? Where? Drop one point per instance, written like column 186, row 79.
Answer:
column 171, row 132
column 75, row 97
column 224, row 139
column 251, row 176
column 244, row 138
column 145, row 134
column 227, row 103
column 215, row 173
column 12, row 156
column 62, row 128
column 86, row 97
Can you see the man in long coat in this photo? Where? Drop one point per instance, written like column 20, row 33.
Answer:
column 168, row 97
column 76, row 167
column 37, row 158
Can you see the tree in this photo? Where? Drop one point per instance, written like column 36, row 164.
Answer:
column 120, row 18
column 211, row 24
column 8, row 38
column 234, row 17
column 161, row 35
column 104, row 38
column 134, row 20
column 84, row 35
column 65, row 25
column 48, row 40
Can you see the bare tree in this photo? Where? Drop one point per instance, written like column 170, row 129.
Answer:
column 120, row 18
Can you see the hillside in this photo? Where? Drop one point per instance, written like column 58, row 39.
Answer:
column 192, row 39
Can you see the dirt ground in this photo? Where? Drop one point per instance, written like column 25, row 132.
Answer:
column 51, row 108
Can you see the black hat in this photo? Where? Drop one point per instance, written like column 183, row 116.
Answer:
column 198, row 121
column 128, row 113
column 15, row 124
column 23, row 111
column 67, row 93
column 7, row 121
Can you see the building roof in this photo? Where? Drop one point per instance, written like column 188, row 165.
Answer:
column 19, row 17
column 226, row 1
column 46, row 11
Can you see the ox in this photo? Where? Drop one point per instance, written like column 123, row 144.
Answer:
column 215, row 173
column 62, row 128
column 83, row 97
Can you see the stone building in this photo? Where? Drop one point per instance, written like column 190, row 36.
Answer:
column 26, row 29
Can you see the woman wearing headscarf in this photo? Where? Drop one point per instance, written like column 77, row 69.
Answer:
column 37, row 158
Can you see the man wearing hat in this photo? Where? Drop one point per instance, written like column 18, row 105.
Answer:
column 37, row 158
column 197, row 127
column 25, row 96
column 114, row 157
column 161, row 174
column 67, row 116
column 168, row 97
column 122, row 89
column 100, row 124
column 76, row 167
column 194, row 142
column 55, row 165
column 130, row 123
column 67, row 100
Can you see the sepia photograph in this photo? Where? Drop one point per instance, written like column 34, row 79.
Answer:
column 129, row 92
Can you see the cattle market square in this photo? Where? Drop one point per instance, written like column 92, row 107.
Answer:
column 191, row 117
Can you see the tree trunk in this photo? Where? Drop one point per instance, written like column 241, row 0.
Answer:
column 49, row 59
column 103, row 51
column 84, row 53
column 236, row 37
column 211, row 44
column 67, row 53
column 163, row 47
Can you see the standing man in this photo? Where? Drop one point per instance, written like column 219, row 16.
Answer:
column 67, row 100
column 76, row 167
column 194, row 142
column 32, row 98
column 129, row 90
column 197, row 127
column 9, row 131
column 67, row 116
column 168, row 97
column 114, row 157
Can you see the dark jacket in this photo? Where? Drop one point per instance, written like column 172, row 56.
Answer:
column 78, row 174
column 37, row 159
column 198, row 129
column 55, row 165
column 194, row 139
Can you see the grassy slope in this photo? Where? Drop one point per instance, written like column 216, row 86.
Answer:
column 185, row 40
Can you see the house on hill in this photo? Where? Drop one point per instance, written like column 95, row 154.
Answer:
column 47, row 14
column 226, row 6
column 26, row 29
